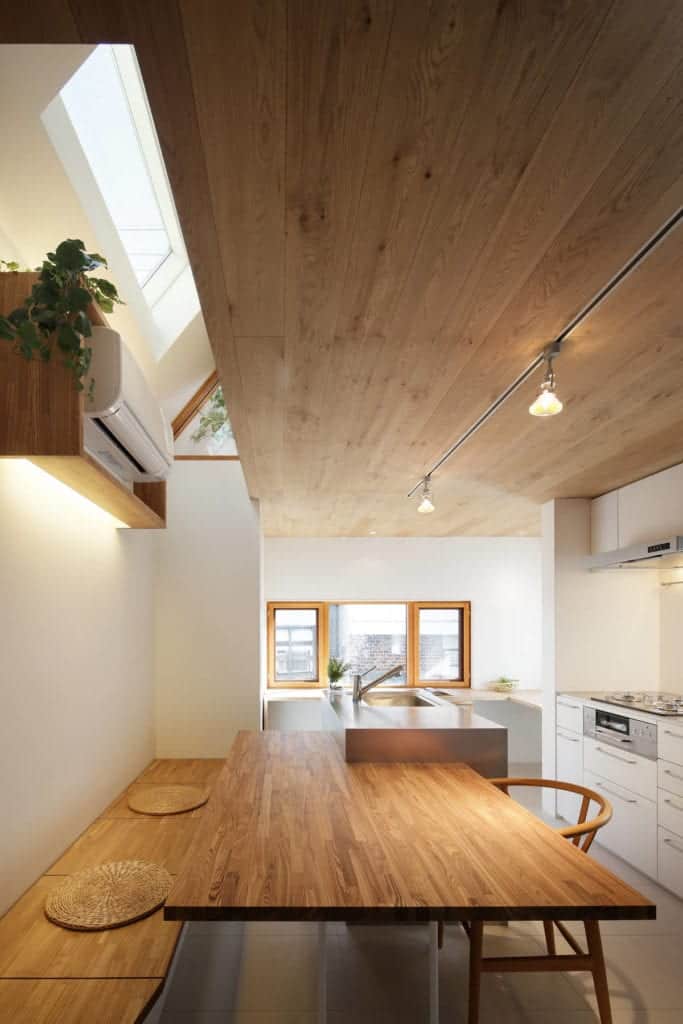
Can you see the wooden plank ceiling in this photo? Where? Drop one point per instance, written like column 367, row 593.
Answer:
column 390, row 208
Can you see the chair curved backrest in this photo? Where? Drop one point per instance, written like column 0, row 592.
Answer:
column 583, row 833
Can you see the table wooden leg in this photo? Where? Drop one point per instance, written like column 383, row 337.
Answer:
column 322, row 972
column 476, row 944
column 598, row 970
column 434, row 972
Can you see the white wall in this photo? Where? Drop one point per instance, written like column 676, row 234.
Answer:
column 208, row 612
column 501, row 576
column 649, row 510
column 76, row 667
column 601, row 631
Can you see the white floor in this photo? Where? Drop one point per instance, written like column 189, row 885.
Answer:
column 267, row 973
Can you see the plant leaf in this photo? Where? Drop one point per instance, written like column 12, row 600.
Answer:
column 79, row 299
column 67, row 339
column 7, row 331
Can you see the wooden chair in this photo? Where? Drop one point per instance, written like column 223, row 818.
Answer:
column 582, row 835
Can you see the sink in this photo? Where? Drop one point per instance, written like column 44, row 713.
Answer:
column 397, row 699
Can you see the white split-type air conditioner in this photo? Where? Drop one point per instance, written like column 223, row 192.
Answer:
column 124, row 427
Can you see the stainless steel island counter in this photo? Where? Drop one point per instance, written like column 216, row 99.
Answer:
column 428, row 731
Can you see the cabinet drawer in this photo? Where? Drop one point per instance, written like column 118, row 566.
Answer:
column 670, row 742
column 634, row 773
column 670, row 777
column 670, row 812
column 670, row 852
column 569, row 716
column 569, row 769
column 632, row 832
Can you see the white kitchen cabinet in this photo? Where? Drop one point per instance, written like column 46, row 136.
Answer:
column 569, row 715
column 670, row 742
column 670, row 812
column 670, row 853
column 569, row 769
column 670, row 777
column 632, row 832
column 605, row 523
column 633, row 773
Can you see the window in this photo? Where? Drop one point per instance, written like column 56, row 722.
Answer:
column 101, row 127
column 441, row 651
column 370, row 636
column 430, row 639
column 294, row 645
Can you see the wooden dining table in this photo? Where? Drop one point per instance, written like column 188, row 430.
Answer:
column 292, row 832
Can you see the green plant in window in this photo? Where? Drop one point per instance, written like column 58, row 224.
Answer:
column 213, row 420
column 336, row 669
column 56, row 313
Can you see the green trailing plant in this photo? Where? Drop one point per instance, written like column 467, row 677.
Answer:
column 213, row 420
column 336, row 669
column 56, row 311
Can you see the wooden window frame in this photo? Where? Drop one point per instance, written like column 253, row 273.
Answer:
column 412, row 642
column 298, row 684
column 465, row 644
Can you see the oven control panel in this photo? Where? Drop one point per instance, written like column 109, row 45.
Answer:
column 621, row 731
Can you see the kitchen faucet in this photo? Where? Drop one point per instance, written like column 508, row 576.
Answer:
column 359, row 690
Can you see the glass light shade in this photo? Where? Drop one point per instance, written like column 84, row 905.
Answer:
column 426, row 505
column 547, row 404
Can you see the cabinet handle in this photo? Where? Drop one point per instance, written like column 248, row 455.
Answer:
column 673, row 845
column 670, row 732
column 576, row 707
column 624, row 760
column 570, row 739
column 676, row 807
column 613, row 793
column 673, row 775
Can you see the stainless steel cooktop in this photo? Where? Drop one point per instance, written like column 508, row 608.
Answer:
column 654, row 703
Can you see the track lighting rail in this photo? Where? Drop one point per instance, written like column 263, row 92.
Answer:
column 554, row 347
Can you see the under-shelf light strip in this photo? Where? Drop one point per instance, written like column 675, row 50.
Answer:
column 555, row 346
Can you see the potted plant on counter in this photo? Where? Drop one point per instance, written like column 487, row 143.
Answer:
column 336, row 670
column 56, row 313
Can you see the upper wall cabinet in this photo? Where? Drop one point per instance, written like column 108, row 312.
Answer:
column 41, row 419
column 647, row 510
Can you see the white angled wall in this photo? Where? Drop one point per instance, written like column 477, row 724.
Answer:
column 501, row 576
column 208, row 612
column 76, row 667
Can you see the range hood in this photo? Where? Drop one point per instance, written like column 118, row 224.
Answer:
column 663, row 552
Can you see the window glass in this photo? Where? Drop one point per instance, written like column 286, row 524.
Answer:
column 96, row 101
column 296, row 644
column 439, row 643
column 370, row 635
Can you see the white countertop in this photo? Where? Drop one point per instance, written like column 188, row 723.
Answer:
column 464, row 695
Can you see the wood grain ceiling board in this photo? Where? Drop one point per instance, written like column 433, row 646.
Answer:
column 390, row 208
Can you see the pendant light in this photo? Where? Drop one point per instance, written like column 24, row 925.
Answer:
column 426, row 505
column 547, row 403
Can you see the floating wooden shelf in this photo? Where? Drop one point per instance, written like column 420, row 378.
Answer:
column 41, row 419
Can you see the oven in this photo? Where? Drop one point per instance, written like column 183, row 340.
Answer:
column 620, row 730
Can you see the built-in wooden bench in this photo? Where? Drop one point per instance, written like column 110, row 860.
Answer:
column 50, row 974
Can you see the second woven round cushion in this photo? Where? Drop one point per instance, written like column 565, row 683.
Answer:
column 166, row 799
column 108, row 896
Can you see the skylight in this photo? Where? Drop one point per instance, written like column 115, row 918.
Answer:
column 96, row 101
column 102, row 129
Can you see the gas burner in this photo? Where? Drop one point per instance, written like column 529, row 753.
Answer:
column 654, row 703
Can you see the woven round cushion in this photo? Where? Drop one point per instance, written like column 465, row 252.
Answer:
column 166, row 799
column 108, row 896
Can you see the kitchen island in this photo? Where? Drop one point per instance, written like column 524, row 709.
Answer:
column 431, row 731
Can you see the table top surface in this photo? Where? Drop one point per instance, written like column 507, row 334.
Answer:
column 293, row 832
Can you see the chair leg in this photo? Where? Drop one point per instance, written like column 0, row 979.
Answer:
column 598, row 970
column 476, row 944
column 549, row 929
column 440, row 935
